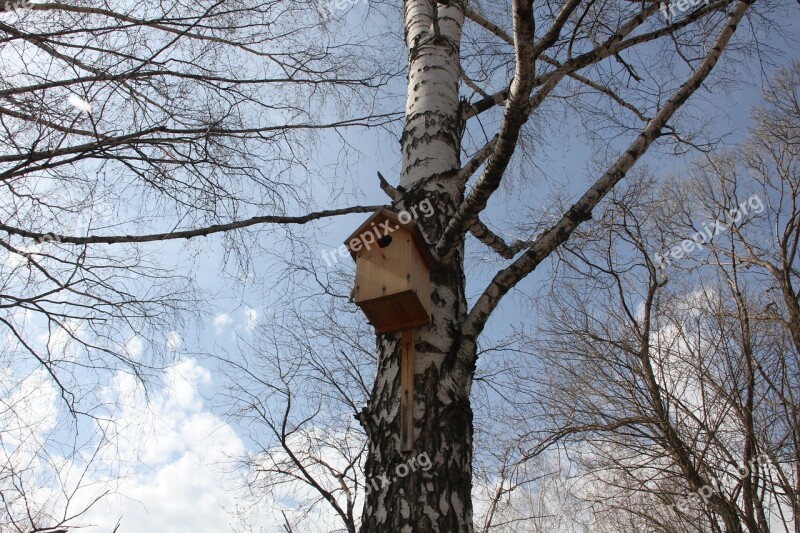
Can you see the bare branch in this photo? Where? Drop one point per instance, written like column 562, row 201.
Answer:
column 581, row 211
column 188, row 234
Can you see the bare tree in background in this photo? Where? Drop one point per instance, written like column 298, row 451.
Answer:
column 670, row 379
column 202, row 119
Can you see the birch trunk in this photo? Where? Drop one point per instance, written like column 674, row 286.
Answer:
column 405, row 492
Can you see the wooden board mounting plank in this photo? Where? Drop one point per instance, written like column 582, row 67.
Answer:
column 407, row 392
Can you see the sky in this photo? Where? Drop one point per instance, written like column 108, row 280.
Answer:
column 174, row 466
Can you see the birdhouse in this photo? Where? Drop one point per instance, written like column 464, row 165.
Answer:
column 393, row 282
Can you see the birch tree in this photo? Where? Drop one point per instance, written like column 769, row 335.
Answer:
column 440, row 499
column 206, row 116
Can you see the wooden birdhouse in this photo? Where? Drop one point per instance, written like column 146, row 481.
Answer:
column 393, row 284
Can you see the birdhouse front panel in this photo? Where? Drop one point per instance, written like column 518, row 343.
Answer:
column 392, row 284
column 381, row 271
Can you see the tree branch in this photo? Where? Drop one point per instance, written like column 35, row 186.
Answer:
column 515, row 115
column 187, row 234
column 476, row 161
column 390, row 191
column 490, row 239
column 581, row 211
column 479, row 19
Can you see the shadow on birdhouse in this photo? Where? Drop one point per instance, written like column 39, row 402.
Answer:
column 393, row 282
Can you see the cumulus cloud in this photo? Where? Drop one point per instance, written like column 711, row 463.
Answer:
column 251, row 319
column 173, row 341
column 180, row 455
column 244, row 321
column 27, row 406
column 133, row 347
column 60, row 341
column 221, row 322
column 171, row 464
column 28, row 415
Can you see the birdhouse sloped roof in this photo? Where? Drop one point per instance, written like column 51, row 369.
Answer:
column 380, row 217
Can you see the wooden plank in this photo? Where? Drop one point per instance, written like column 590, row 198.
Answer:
column 395, row 312
column 407, row 392
column 383, row 272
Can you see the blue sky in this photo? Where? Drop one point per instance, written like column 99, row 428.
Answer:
column 177, row 451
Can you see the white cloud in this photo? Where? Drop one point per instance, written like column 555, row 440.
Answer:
column 251, row 319
column 28, row 414
column 181, row 453
column 133, row 347
column 183, row 381
column 27, row 406
column 60, row 342
column 13, row 260
column 173, row 341
column 172, row 464
column 222, row 321
column 315, row 446
column 246, row 320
